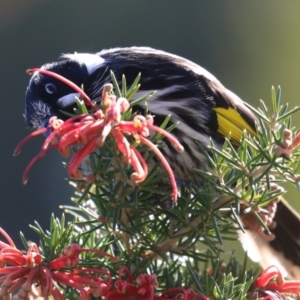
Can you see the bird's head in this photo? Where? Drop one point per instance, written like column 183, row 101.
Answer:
column 46, row 96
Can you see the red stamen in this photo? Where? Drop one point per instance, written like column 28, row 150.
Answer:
column 102, row 253
column 46, row 280
column 10, row 241
column 142, row 169
column 168, row 135
column 127, row 272
column 164, row 163
column 68, row 280
column 31, row 163
column 268, row 274
column 17, row 283
column 57, row 294
column 100, row 271
column 26, row 288
column 27, row 138
column 80, row 156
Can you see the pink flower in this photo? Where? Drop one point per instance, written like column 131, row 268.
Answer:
column 90, row 132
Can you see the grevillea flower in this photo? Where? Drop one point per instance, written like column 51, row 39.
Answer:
column 22, row 273
column 91, row 130
column 271, row 282
column 142, row 288
column 27, row 274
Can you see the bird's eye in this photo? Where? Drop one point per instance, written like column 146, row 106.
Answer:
column 50, row 88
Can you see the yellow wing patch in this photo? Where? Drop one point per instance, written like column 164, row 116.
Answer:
column 230, row 121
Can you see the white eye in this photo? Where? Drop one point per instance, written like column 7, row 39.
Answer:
column 50, row 88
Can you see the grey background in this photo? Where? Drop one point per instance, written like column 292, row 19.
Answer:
column 249, row 45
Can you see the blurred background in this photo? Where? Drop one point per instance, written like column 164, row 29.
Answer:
column 248, row 45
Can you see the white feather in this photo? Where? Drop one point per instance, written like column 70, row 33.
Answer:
column 260, row 251
column 91, row 61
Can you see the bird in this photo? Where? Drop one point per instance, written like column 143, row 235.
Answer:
column 201, row 106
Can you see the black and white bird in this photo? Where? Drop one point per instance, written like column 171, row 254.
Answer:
column 198, row 101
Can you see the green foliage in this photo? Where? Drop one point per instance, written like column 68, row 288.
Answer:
column 180, row 242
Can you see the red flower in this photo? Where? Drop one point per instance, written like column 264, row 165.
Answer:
column 29, row 274
column 90, row 131
column 272, row 282
column 23, row 272
column 143, row 288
